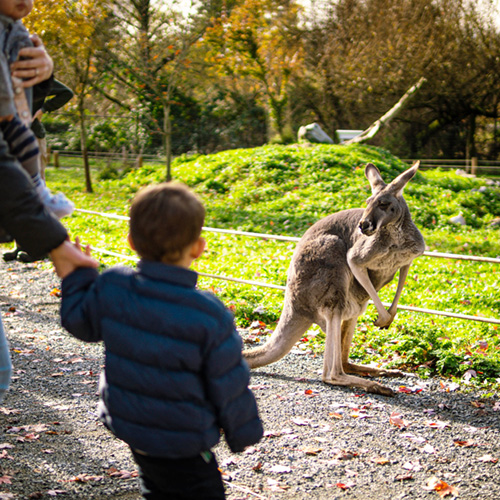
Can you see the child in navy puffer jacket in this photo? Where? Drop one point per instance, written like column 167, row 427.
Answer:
column 174, row 374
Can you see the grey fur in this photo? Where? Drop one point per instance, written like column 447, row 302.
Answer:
column 338, row 265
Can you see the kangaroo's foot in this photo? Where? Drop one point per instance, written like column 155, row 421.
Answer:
column 351, row 381
column 371, row 371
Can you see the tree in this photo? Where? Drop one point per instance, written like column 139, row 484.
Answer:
column 73, row 31
column 260, row 40
column 149, row 53
column 364, row 54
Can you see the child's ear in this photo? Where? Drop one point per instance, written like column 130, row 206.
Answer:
column 198, row 248
column 130, row 242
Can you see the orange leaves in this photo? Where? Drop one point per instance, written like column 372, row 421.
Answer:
column 440, row 487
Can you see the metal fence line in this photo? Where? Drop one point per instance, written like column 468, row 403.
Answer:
column 283, row 288
column 294, row 239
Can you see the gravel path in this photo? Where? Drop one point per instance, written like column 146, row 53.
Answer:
column 321, row 442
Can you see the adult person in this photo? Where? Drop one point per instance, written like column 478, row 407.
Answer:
column 22, row 213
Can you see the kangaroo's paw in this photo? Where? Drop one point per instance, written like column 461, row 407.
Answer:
column 351, row 381
column 371, row 371
column 384, row 321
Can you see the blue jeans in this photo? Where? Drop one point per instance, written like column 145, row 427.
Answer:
column 5, row 363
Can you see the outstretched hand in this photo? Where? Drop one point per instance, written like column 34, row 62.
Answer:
column 69, row 256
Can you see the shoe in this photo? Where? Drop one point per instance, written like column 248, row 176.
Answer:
column 26, row 258
column 8, row 256
column 58, row 204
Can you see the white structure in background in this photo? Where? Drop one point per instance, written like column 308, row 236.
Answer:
column 345, row 135
column 315, row 134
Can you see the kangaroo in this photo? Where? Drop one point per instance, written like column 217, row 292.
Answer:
column 338, row 265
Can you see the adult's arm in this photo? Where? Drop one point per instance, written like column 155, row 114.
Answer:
column 22, row 214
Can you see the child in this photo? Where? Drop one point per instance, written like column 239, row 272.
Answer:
column 15, row 103
column 174, row 373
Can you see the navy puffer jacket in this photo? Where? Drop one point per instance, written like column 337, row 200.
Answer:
column 174, row 374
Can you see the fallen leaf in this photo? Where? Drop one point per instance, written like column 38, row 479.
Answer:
column 437, row 424
column 403, row 477
column 335, row 415
column 465, row 444
column 428, row 449
column 5, row 480
column 413, row 466
column 9, row 411
column 395, row 419
column 450, row 387
column 488, row 458
column 275, row 485
column 280, row 469
column 122, row 474
column 345, row 455
column 380, row 460
column 312, row 451
column 54, row 493
column 345, row 486
column 301, row 421
column 5, row 454
column 84, row 478
column 440, row 487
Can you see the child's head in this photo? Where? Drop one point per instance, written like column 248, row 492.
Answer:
column 165, row 220
column 16, row 9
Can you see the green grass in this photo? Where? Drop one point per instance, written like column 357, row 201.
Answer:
column 285, row 189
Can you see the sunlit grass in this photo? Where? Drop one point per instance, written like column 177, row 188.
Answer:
column 283, row 190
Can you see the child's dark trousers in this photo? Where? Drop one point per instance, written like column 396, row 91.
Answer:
column 180, row 479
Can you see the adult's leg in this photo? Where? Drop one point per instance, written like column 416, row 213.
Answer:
column 5, row 363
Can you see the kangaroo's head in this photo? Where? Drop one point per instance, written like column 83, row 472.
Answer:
column 386, row 204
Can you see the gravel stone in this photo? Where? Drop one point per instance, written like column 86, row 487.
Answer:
column 321, row 442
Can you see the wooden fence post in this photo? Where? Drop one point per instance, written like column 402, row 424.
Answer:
column 56, row 159
column 473, row 165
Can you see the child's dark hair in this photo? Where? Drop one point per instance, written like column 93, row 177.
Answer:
column 164, row 220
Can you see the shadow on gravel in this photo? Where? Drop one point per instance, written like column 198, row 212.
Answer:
column 434, row 400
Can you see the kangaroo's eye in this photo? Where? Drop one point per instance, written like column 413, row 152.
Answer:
column 384, row 205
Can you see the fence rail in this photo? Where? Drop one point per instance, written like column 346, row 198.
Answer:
column 295, row 239
column 473, row 164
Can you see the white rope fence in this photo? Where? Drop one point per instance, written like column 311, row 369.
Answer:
column 294, row 239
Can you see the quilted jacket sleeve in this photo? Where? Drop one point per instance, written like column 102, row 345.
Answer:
column 80, row 305
column 227, row 376
column 22, row 214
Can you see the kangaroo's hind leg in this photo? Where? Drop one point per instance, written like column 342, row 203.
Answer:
column 333, row 371
column 291, row 327
column 347, row 330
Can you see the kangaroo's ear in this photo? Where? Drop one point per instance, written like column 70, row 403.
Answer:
column 398, row 184
column 374, row 178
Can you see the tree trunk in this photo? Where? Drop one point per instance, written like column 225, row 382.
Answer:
column 375, row 127
column 470, row 147
column 83, row 142
column 167, row 134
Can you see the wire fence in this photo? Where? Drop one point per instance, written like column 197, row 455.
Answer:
column 472, row 165
column 295, row 239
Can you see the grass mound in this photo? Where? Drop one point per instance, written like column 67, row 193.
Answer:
column 285, row 189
